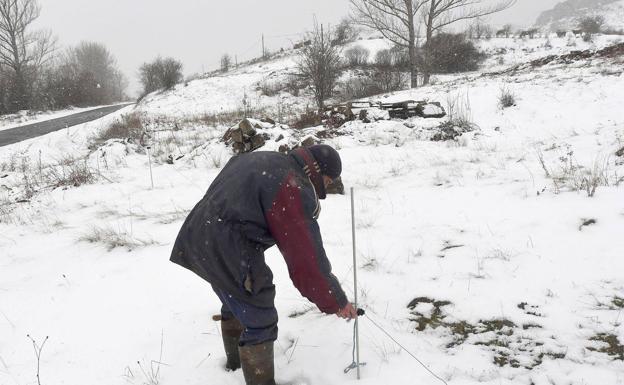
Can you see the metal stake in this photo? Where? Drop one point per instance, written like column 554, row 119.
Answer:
column 149, row 161
column 355, row 291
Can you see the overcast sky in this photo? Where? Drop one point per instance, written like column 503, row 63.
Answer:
column 198, row 32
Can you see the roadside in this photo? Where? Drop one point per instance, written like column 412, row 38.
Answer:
column 23, row 118
column 18, row 134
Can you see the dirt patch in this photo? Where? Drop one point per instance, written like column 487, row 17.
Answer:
column 611, row 345
column 509, row 343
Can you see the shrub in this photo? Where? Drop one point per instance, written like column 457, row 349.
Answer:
column 591, row 24
column 309, row 118
column 70, row 172
column 113, row 238
column 459, row 121
column 294, row 85
column 345, row 32
column 320, row 64
column 270, row 88
column 360, row 87
column 449, row 53
column 568, row 174
column 129, row 127
column 357, row 56
column 506, row 98
column 384, row 58
column 226, row 62
column 161, row 73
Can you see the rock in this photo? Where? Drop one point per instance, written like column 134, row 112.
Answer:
column 363, row 116
column 433, row 110
column 309, row 141
column 284, row 149
column 237, row 135
column 449, row 131
column 280, row 137
column 268, row 120
column 257, row 142
column 376, row 114
column 356, row 104
column 620, row 152
column 336, row 187
column 238, row 147
column 409, row 124
column 247, row 127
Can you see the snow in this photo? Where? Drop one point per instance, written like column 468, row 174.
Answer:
column 612, row 13
column 108, row 312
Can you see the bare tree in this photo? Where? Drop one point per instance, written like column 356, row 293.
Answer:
column 161, row 73
column 591, row 24
column 438, row 14
column 345, row 31
column 506, row 30
column 22, row 50
column 149, row 77
column 320, row 64
column 357, row 56
column 226, row 62
column 397, row 21
column 171, row 72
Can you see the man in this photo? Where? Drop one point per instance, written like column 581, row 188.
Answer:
column 259, row 200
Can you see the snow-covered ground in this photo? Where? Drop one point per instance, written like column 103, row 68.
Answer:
column 242, row 88
column 514, row 276
column 612, row 13
column 30, row 117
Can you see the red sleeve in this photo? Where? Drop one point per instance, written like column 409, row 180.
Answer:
column 298, row 237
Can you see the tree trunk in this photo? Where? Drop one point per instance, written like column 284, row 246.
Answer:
column 427, row 50
column 412, row 48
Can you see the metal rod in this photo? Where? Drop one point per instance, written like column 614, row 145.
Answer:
column 355, row 290
column 149, row 161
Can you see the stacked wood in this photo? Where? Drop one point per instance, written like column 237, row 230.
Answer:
column 397, row 110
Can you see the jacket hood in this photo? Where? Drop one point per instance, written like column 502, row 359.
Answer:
column 310, row 166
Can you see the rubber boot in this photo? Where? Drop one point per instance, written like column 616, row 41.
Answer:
column 257, row 361
column 231, row 331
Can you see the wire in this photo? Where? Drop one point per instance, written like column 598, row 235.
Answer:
column 404, row 348
column 288, row 35
column 353, row 364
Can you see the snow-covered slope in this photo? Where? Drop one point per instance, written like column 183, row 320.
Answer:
column 245, row 88
column 566, row 15
column 242, row 89
column 513, row 274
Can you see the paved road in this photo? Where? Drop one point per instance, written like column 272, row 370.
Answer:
column 17, row 134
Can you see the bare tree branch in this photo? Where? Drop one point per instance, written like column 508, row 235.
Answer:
column 396, row 20
column 442, row 13
column 21, row 50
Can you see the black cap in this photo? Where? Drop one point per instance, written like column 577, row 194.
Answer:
column 328, row 160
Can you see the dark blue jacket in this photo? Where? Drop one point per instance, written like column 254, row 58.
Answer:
column 258, row 200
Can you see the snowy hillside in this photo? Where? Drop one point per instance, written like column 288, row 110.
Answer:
column 245, row 88
column 489, row 256
column 242, row 88
column 565, row 15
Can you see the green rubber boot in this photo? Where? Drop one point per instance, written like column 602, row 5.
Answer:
column 257, row 362
column 231, row 331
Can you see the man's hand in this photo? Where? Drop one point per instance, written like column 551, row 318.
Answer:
column 348, row 312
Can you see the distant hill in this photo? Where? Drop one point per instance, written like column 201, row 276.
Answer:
column 566, row 14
